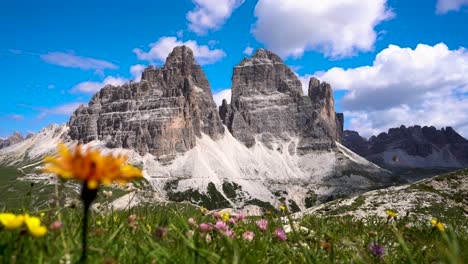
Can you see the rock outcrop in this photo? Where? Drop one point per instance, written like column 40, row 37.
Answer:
column 268, row 105
column 162, row 114
column 15, row 138
column 414, row 146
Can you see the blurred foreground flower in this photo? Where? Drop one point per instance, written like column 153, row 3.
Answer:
column 93, row 169
column 11, row 221
column 33, row 224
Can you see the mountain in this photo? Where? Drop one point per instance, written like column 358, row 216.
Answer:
column 32, row 149
column 412, row 147
column 267, row 105
column 163, row 114
column 271, row 145
column 15, row 138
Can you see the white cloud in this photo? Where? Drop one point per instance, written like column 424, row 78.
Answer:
column 248, row 50
column 161, row 49
column 337, row 28
column 92, row 87
column 427, row 85
column 136, row 71
column 50, row 86
column 210, row 14
column 444, row 6
column 16, row 117
column 223, row 94
column 73, row 61
column 65, row 109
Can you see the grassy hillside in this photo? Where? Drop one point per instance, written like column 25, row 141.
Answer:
column 163, row 233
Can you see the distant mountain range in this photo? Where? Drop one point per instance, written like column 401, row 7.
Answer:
column 411, row 147
column 15, row 138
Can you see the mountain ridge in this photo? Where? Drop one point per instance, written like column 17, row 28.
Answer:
column 412, row 147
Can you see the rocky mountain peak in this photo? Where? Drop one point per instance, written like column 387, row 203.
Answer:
column 180, row 55
column 268, row 105
column 266, row 55
column 162, row 115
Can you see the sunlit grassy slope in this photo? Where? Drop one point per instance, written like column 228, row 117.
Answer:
column 162, row 234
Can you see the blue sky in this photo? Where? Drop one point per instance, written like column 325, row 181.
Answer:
column 389, row 62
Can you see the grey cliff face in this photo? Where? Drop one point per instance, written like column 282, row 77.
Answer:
column 162, row 114
column 267, row 104
column 416, row 141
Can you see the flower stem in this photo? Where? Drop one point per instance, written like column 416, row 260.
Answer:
column 88, row 196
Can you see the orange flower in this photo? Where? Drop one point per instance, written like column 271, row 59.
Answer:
column 91, row 166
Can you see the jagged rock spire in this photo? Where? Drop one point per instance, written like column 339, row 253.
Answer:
column 162, row 115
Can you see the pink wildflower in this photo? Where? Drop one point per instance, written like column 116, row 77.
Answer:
column 232, row 221
column 248, row 236
column 192, row 222
column 262, row 224
column 220, row 225
column 205, row 227
column 131, row 218
column 56, row 225
column 280, row 234
column 240, row 217
column 217, row 214
column 229, row 233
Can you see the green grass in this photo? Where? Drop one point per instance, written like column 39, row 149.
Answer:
column 112, row 239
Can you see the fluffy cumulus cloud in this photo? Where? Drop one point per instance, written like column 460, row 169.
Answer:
column 444, row 6
column 337, row 28
column 73, row 61
column 210, row 14
column 161, row 49
column 221, row 95
column 93, row 87
column 427, row 85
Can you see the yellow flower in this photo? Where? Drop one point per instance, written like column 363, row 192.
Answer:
column 91, row 166
column 149, row 227
column 283, row 208
column 437, row 224
column 391, row 213
column 34, row 226
column 204, row 210
column 42, row 214
column 225, row 216
column 11, row 221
